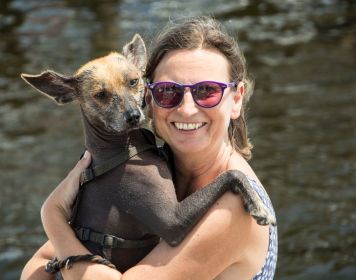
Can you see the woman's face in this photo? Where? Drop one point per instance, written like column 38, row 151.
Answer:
column 189, row 128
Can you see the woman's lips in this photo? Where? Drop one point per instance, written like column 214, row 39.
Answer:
column 188, row 126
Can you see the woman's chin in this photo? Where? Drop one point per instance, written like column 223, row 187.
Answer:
column 188, row 147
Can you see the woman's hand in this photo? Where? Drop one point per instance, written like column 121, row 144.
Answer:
column 64, row 194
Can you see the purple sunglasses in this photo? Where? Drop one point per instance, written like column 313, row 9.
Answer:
column 206, row 94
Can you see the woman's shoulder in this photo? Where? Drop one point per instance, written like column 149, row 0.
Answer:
column 245, row 242
column 265, row 236
column 239, row 163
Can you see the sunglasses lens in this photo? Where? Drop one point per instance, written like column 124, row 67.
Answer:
column 207, row 94
column 167, row 95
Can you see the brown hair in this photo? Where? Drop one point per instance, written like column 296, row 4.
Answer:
column 205, row 32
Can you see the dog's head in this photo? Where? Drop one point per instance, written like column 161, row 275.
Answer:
column 109, row 89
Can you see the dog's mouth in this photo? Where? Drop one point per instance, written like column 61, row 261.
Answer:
column 117, row 131
column 133, row 126
column 124, row 127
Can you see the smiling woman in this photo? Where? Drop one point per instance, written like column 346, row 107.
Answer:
column 196, row 97
column 192, row 67
column 207, row 135
column 209, row 35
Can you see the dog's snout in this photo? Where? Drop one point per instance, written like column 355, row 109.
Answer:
column 132, row 117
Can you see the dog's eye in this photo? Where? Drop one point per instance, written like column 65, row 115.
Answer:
column 133, row 82
column 101, row 95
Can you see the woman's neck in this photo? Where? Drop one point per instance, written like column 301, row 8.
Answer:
column 194, row 171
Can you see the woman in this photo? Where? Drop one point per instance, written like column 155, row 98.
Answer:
column 203, row 123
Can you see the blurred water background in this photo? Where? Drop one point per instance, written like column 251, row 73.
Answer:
column 302, row 117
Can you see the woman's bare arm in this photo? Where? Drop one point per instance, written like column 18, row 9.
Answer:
column 34, row 269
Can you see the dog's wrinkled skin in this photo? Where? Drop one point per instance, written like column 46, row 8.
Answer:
column 137, row 198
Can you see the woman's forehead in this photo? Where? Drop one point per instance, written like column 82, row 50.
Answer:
column 195, row 63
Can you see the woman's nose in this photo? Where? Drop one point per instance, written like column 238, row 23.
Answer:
column 187, row 106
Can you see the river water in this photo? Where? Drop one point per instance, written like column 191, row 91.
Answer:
column 302, row 117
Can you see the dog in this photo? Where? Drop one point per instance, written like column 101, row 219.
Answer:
column 127, row 199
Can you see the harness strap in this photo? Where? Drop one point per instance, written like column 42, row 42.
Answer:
column 112, row 241
column 92, row 172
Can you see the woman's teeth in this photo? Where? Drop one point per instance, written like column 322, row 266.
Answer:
column 188, row 126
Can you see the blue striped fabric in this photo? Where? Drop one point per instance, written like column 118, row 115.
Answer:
column 269, row 267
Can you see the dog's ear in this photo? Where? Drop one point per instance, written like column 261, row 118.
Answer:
column 55, row 86
column 135, row 52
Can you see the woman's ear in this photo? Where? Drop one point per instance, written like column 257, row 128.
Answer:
column 238, row 97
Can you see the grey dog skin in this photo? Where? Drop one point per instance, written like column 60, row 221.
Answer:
column 137, row 198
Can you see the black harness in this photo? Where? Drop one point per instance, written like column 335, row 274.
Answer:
column 107, row 240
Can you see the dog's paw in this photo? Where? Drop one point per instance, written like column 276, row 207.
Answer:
column 262, row 215
column 240, row 185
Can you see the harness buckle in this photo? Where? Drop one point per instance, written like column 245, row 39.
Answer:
column 109, row 241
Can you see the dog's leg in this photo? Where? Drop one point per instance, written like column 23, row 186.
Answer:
column 173, row 220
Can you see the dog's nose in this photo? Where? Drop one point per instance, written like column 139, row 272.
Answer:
column 132, row 117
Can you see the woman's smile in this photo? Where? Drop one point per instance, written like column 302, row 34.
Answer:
column 185, row 126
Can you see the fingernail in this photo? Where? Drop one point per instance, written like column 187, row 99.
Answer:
column 86, row 155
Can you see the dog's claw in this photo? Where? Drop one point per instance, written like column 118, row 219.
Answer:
column 263, row 216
